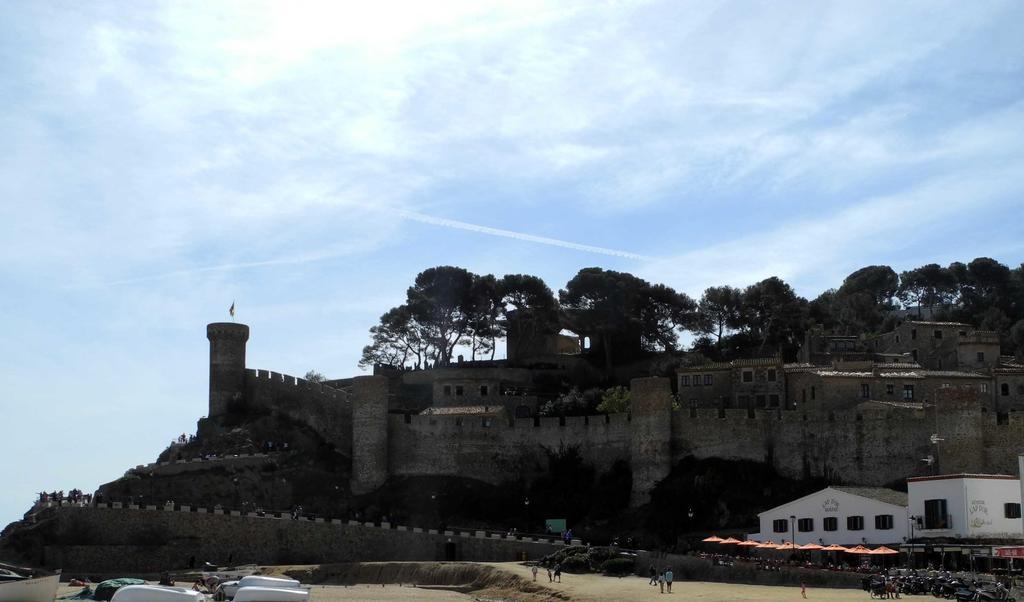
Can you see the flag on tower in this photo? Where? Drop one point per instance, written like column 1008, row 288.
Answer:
column 231, row 310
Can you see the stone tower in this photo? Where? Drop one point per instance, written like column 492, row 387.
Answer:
column 369, row 433
column 227, row 364
column 650, row 447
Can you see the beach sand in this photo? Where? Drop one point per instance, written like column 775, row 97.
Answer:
column 584, row 588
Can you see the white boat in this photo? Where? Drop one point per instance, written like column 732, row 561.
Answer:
column 39, row 589
column 156, row 593
column 272, row 594
column 229, row 589
column 261, row 581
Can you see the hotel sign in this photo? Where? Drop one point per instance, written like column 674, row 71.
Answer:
column 1010, row 552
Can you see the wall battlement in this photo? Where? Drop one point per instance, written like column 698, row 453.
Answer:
column 867, row 443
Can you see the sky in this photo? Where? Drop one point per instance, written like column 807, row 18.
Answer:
column 305, row 160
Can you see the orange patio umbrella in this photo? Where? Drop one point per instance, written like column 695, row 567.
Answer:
column 786, row 545
column 768, row 544
column 729, row 541
column 835, row 548
column 712, row 539
column 811, row 547
column 883, row 550
column 750, row 543
column 859, row 550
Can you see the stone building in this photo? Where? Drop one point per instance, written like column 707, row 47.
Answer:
column 941, row 345
column 743, row 384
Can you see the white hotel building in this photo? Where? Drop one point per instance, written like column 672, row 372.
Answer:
column 842, row 515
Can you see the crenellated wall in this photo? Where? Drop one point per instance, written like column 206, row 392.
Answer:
column 325, row 410
column 869, row 443
column 157, row 539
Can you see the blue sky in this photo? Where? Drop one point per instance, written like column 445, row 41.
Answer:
column 308, row 159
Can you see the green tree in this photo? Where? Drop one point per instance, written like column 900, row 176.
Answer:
column 615, row 400
column 719, row 311
column 528, row 310
column 865, row 297
column 396, row 340
column 314, row 377
column 441, row 302
column 927, row 286
column 774, row 316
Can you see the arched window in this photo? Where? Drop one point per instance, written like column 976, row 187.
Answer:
column 1004, row 389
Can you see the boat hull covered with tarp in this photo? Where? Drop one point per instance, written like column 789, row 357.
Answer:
column 156, row 593
column 39, row 589
column 272, row 594
column 105, row 590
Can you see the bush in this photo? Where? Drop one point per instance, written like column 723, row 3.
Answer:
column 580, row 563
column 618, row 566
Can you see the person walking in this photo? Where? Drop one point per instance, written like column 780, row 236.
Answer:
column 803, row 590
column 534, row 571
column 550, row 578
column 668, row 579
column 558, row 573
column 661, row 582
column 654, row 576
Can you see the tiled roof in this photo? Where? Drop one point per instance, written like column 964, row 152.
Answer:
column 900, row 405
column 923, row 323
column 462, row 410
column 881, row 494
column 744, row 363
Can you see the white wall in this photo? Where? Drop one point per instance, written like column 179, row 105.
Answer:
column 975, row 505
column 834, row 503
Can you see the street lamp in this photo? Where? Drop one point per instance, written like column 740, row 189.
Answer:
column 792, row 526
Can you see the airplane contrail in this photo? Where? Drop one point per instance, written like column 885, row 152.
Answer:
column 544, row 240
column 403, row 214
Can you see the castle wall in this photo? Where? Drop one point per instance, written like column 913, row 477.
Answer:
column 156, row 540
column 327, row 411
column 369, row 433
column 493, row 450
column 650, row 444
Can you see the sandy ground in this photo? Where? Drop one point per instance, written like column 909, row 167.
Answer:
column 573, row 587
column 628, row 589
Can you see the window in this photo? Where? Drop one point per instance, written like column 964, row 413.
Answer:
column 981, row 356
column 761, row 401
column 1011, row 510
column 913, row 334
column 708, row 379
column 897, row 338
column 748, row 376
column 805, row 525
column 684, row 380
column 744, row 401
column 908, row 392
column 780, row 525
column 962, row 333
column 890, row 389
column 448, row 390
column 984, row 387
column 854, row 523
column 935, row 514
column 812, row 392
column 865, row 390
column 831, row 523
column 458, row 390
column 483, row 390
column 1004, row 389
column 771, row 375
column 883, row 522
column 803, row 395
column 937, row 334
column 773, row 400
column 913, row 354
